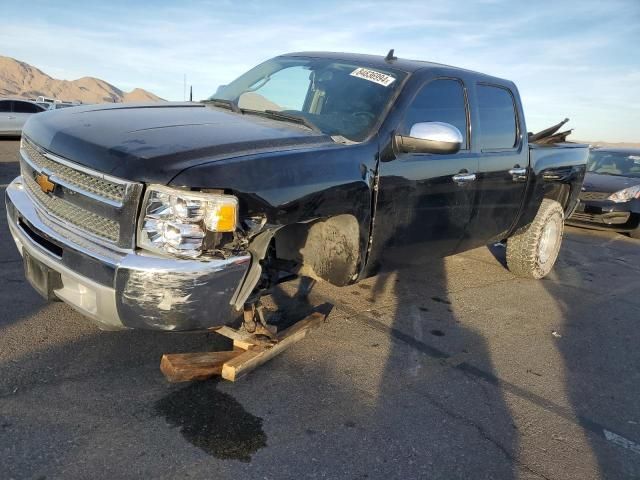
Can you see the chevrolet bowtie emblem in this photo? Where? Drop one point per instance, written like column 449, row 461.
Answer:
column 46, row 185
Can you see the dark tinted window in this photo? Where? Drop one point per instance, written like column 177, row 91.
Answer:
column 25, row 107
column 440, row 101
column 5, row 106
column 497, row 118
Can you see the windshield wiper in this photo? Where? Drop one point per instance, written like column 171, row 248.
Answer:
column 291, row 117
column 222, row 102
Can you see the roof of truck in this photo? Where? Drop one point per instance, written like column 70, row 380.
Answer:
column 380, row 61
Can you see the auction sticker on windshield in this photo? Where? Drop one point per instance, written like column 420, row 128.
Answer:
column 373, row 76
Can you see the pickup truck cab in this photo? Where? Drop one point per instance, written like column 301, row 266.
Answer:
column 172, row 216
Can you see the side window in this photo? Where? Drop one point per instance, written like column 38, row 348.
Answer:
column 25, row 107
column 440, row 101
column 497, row 118
column 5, row 105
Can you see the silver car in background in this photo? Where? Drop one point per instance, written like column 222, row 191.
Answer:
column 14, row 113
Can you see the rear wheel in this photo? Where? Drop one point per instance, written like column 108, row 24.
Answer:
column 533, row 250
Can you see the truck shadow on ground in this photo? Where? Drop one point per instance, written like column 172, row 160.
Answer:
column 399, row 384
column 595, row 286
column 425, row 361
column 95, row 381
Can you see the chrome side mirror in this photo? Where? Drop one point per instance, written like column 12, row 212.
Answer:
column 430, row 137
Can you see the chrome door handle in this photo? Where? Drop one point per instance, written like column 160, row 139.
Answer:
column 464, row 177
column 10, row 117
column 518, row 171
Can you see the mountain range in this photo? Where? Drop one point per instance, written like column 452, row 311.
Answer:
column 19, row 79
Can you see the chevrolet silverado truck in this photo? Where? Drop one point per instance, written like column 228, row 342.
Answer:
column 322, row 166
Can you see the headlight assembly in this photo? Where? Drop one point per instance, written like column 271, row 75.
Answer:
column 177, row 221
column 626, row 194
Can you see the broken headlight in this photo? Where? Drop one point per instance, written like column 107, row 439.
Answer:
column 626, row 194
column 178, row 221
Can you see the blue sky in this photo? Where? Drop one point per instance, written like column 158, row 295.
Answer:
column 572, row 58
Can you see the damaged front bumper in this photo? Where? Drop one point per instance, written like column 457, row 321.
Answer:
column 121, row 289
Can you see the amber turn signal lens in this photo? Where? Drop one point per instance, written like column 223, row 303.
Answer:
column 222, row 217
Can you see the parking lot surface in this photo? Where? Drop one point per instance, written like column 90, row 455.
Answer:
column 455, row 369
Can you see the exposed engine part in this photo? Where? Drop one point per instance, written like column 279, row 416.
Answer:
column 254, row 321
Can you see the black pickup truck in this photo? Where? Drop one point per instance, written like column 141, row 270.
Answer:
column 327, row 166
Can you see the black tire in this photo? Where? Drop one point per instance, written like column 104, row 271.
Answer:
column 533, row 250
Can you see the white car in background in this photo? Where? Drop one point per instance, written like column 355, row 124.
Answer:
column 59, row 105
column 14, row 113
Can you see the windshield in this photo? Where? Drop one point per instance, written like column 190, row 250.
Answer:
column 340, row 99
column 614, row 163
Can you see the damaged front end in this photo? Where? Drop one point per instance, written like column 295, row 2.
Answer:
column 194, row 289
column 131, row 288
column 177, row 294
column 129, row 255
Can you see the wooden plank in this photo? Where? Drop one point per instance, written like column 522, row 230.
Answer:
column 240, row 339
column 242, row 364
column 185, row 367
column 232, row 333
column 244, row 345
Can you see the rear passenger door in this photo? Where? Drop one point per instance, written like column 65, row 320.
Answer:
column 501, row 179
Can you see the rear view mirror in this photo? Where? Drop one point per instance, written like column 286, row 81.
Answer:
column 430, row 137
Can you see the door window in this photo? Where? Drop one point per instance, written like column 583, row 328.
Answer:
column 5, row 106
column 25, row 107
column 441, row 100
column 497, row 115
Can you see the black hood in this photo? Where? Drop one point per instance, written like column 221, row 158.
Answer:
column 153, row 143
column 598, row 182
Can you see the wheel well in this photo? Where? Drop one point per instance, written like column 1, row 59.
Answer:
column 327, row 249
column 559, row 192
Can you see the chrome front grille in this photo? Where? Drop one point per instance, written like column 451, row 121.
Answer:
column 87, row 202
column 75, row 178
column 60, row 208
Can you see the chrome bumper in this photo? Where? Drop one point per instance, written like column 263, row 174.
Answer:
column 125, row 289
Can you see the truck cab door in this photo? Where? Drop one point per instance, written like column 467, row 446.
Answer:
column 504, row 162
column 425, row 200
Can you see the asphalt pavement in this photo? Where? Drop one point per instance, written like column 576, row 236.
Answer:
column 456, row 369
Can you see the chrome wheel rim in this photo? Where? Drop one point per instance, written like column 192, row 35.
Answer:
column 548, row 241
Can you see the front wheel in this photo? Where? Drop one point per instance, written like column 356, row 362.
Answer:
column 533, row 250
